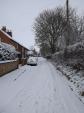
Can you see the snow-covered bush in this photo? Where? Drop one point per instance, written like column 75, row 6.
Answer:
column 76, row 50
column 73, row 56
column 7, row 52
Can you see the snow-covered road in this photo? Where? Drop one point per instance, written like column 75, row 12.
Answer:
column 37, row 89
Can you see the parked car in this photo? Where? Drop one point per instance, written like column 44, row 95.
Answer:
column 32, row 61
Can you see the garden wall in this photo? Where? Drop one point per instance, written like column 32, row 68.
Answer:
column 8, row 66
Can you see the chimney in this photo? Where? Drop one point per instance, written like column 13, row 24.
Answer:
column 3, row 28
column 9, row 33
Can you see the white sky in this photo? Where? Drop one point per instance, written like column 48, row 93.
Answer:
column 19, row 16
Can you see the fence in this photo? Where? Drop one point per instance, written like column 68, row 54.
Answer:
column 8, row 66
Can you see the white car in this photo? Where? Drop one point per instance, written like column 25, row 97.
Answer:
column 32, row 61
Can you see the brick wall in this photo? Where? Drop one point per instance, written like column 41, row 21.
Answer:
column 8, row 66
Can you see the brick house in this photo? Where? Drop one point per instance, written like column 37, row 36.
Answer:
column 6, row 37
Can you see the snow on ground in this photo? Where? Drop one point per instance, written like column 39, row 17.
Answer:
column 75, row 80
column 37, row 89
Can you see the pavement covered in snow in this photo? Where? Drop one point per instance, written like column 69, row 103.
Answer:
column 37, row 89
column 75, row 79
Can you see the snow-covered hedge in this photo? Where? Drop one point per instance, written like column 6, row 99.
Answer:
column 76, row 50
column 7, row 52
column 73, row 55
column 71, row 51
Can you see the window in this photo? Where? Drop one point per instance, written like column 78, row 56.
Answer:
column 0, row 39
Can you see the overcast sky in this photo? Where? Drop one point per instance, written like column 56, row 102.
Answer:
column 19, row 16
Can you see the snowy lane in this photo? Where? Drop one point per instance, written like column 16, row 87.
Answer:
column 37, row 89
column 65, row 98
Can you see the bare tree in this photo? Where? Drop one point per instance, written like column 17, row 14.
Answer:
column 48, row 27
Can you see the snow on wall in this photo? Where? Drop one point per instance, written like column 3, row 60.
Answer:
column 7, row 61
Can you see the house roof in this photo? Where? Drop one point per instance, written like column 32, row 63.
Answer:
column 13, row 39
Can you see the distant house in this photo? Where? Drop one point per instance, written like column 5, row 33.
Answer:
column 6, row 37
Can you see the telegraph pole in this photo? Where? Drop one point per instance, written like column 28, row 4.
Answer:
column 67, row 10
column 67, row 29
column 67, row 17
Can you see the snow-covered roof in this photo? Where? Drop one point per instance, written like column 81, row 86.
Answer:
column 7, row 52
column 7, row 47
column 12, row 39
